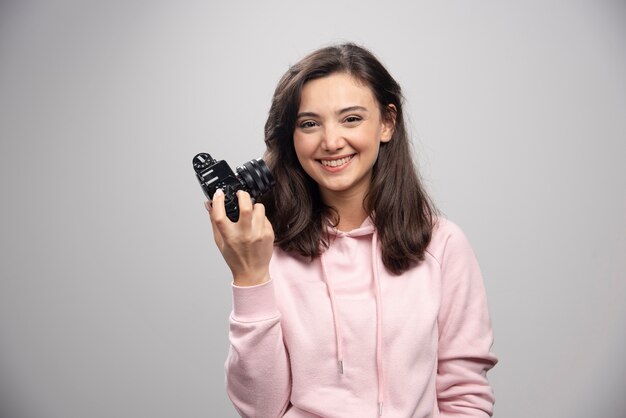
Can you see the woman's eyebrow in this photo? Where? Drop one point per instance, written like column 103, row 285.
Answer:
column 307, row 115
column 339, row 112
column 351, row 109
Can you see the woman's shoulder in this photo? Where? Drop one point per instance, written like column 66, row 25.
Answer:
column 447, row 238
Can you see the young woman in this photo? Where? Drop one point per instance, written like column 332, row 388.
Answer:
column 351, row 298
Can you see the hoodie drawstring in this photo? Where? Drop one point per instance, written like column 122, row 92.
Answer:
column 333, row 307
column 379, row 326
column 379, row 322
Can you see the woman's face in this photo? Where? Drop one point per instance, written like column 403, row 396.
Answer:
column 339, row 128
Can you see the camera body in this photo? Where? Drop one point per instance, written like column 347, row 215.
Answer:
column 253, row 177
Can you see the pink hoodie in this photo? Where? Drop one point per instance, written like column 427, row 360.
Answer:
column 339, row 336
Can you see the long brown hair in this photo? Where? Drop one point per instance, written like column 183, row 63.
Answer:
column 400, row 209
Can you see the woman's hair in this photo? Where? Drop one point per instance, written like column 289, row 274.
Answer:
column 396, row 201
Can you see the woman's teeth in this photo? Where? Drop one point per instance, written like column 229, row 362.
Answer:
column 336, row 163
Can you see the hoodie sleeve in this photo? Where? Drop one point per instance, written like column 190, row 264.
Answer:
column 258, row 377
column 465, row 334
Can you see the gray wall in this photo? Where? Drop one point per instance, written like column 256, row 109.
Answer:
column 113, row 299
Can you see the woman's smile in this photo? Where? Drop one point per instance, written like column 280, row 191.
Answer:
column 336, row 164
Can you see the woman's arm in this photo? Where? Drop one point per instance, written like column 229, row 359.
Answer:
column 257, row 369
column 465, row 334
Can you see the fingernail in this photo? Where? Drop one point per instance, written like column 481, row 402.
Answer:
column 218, row 192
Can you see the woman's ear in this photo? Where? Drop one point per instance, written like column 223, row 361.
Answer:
column 388, row 122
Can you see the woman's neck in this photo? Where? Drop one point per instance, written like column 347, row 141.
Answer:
column 350, row 209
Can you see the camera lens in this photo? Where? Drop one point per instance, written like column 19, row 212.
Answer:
column 256, row 176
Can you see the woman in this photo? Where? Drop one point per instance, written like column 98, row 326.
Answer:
column 350, row 298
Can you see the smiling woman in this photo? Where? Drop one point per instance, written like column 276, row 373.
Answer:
column 339, row 129
column 353, row 233
column 324, row 85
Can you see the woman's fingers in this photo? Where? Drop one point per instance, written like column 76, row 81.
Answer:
column 218, row 212
column 247, row 244
column 251, row 218
column 260, row 221
column 219, row 220
column 245, row 208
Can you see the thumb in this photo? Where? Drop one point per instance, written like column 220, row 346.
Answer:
column 217, row 236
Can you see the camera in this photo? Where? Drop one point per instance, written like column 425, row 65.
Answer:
column 253, row 177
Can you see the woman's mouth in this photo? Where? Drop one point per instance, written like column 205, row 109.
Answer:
column 337, row 162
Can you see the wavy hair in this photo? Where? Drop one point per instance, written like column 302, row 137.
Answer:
column 400, row 209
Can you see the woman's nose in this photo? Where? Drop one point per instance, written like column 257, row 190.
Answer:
column 333, row 139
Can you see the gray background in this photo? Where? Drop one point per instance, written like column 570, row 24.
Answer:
column 113, row 299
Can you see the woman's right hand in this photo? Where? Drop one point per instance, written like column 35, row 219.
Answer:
column 247, row 244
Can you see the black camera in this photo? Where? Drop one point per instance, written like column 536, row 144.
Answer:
column 253, row 177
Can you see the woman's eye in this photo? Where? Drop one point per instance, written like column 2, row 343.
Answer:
column 352, row 119
column 308, row 124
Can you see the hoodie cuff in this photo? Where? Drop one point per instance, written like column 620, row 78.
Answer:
column 254, row 303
